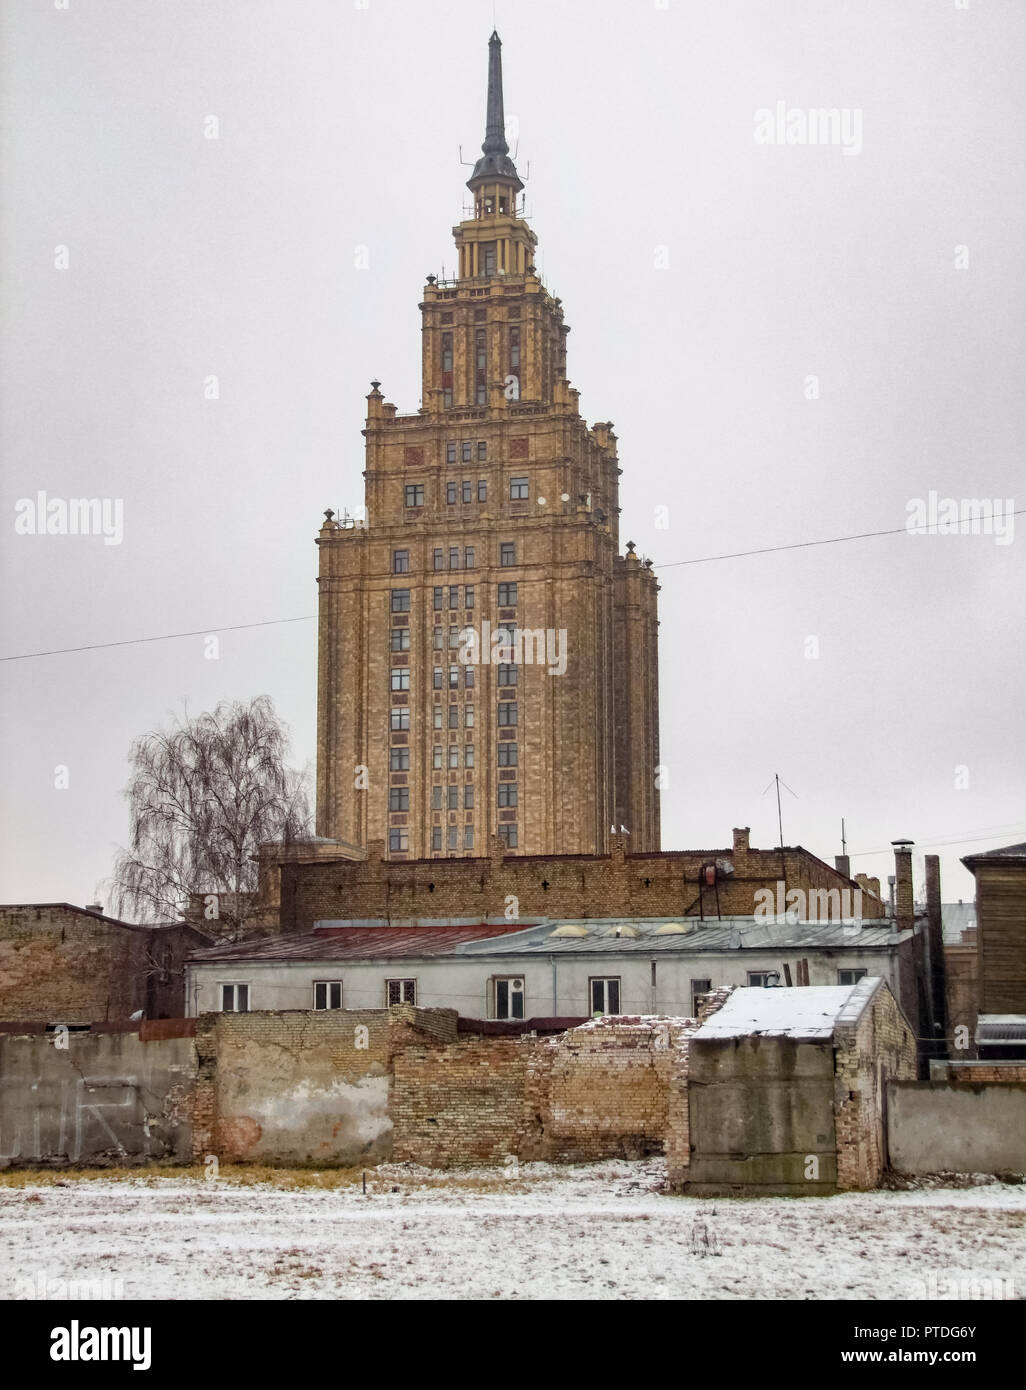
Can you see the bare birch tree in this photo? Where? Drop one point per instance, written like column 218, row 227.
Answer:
column 204, row 794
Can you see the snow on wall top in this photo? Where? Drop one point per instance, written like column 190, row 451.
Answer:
column 806, row 1012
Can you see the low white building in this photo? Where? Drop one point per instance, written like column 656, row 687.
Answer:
column 548, row 969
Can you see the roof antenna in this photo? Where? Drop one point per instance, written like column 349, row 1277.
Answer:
column 780, row 825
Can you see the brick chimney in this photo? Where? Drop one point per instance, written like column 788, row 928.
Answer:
column 741, row 846
column 904, row 912
column 938, row 981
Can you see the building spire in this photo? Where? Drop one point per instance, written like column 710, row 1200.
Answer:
column 495, row 122
column 495, row 162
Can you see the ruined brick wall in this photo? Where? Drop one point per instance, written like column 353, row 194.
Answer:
column 614, row 885
column 877, row 1048
column 462, row 1103
column 602, row 1090
column 293, row 1087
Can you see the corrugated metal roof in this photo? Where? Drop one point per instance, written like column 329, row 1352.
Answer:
column 357, row 943
column 514, row 939
column 955, row 919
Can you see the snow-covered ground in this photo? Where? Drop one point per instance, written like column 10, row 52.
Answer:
column 596, row 1231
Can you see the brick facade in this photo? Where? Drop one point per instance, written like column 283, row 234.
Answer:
column 68, row 964
column 618, row 884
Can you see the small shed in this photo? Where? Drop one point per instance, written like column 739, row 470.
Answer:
column 786, row 1091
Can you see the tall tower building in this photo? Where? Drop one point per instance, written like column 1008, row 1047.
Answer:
column 487, row 659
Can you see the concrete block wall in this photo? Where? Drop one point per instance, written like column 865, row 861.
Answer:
column 105, row 1098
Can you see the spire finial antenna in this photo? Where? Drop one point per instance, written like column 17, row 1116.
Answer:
column 495, row 121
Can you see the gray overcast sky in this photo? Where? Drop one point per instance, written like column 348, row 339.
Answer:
column 339, row 128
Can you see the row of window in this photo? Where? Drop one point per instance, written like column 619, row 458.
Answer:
column 480, row 350
column 466, row 451
column 465, row 491
column 399, row 637
column 506, row 994
column 465, row 559
column 506, row 597
column 448, row 798
column 399, row 677
column 399, row 839
column 399, row 758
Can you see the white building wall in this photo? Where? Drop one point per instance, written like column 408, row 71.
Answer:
column 556, row 985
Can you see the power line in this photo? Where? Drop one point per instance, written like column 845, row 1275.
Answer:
column 164, row 637
column 308, row 617
column 971, row 839
column 804, row 545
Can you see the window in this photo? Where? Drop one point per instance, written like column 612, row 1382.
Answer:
column 468, row 677
column 439, row 639
column 415, row 495
column 454, row 637
column 450, row 497
column 468, row 596
column 438, row 559
column 398, row 760
column 507, row 674
column 482, row 490
column 398, row 841
column 454, row 755
column 506, row 638
column 327, row 994
column 468, row 755
column 450, row 453
column 850, row 977
column 452, row 798
column 454, row 564
column 468, row 837
column 508, row 753
column 508, row 997
column 400, row 600
column 519, row 490
column 436, row 838
column 762, row 978
column 446, row 352
column 399, row 678
column 400, row 562
column 507, row 596
column 439, row 597
column 437, row 679
column 508, row 835
column 468, row 557
column 398, row 798
column 454, row 593
column 466, row 491
column 605, row 996
column 468, row 717
column 698, row 988
column 514, row 348
column 468, row 798
column 454, row 677
column 399, row 718
column 438, row 717
column 454, row 723
column 482, row 449
column 507, row 553
column 452, row 837
column 507, row 715
column 399, row 639
column 481, row 348
column 235, row 999
column 447, row 398
column 507, row 793
column 436, row 756
column 482, row 393
column 401, row 991
column 467, row 453
column 436, row 799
